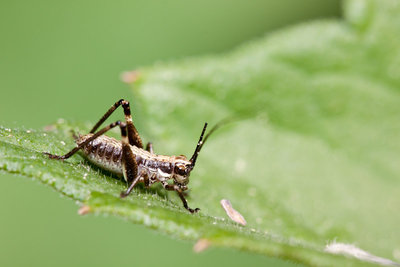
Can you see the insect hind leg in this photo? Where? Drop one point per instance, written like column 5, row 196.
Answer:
column 87, row 141
column 133, row 135
column 129, row 164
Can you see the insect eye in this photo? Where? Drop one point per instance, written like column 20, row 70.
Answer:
column 180, row 169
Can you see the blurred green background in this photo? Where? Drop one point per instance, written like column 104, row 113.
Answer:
column 63, row 59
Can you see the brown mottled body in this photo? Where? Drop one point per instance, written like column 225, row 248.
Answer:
column 106, row 152
column 128, row 158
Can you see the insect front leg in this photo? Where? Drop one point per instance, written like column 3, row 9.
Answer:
column 173, row 187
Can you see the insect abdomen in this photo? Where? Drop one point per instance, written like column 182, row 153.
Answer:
column 104, row 151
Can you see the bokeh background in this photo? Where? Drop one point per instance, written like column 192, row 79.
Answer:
column 63, row 59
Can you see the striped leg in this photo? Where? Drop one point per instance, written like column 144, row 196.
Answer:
column 133, row 135
column 81, row 145
column 129, row 164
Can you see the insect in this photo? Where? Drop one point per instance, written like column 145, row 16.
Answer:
column 129, row 159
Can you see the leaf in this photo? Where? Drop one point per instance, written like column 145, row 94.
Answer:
column 311, row 157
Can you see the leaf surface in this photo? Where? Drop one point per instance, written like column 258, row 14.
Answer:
column 311, row 154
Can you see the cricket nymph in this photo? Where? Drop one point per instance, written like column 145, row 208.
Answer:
column 106, row 152
column 129, row 159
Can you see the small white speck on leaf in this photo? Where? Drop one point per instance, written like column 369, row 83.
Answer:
column 201, row 245
column 356, row 252
column 62, row 142
column 232, row 213
column 28, row 131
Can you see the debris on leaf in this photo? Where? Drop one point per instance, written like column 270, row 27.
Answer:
column 130, row 76
column 353, row 251
column 201, row 245
column 232, row 213
column 84, row 210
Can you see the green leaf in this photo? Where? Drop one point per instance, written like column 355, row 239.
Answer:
column 310, row 157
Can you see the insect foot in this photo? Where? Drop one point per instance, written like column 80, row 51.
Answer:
column 193, row 210
column 124, row 194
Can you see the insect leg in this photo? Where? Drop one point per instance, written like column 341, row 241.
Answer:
column 74, row 150
column 172, row 187
column 133, row 135
column 149, row 147
column 146, row 180
column 129, row 164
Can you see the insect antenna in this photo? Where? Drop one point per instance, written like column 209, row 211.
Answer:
column 198, row 147
column 202, row 142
